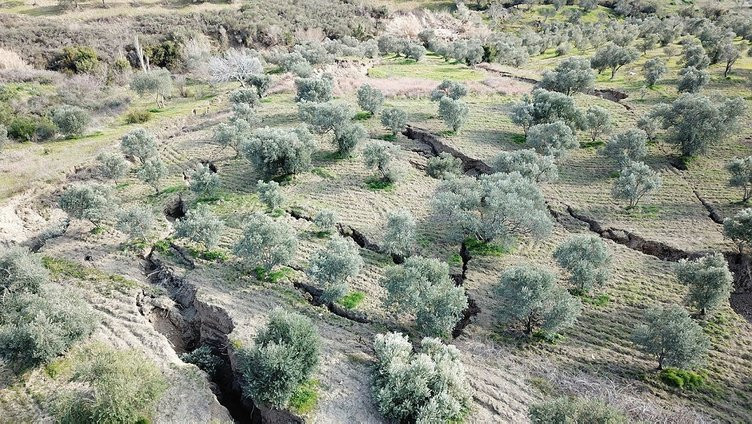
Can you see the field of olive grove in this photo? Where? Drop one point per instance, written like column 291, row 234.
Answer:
column 387, row 211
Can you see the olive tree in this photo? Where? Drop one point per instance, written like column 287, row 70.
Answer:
column 112, row 166
column 695, row 56
column 452, row 89
column 528, row 163
column 613, row 57
column 269, row 194
column 200, row 225
column 235, row 65
column 695, row 123
column 136, row 221
column 399, row 234
column 627, row 146
column 635, row 181
column 394, row 119
column 325, row 116
column 91, row 202
column 347, row 137
column 739, row 228
column 741, row 176
column 370, row 99
column 671, row 337
column 231, row 135
column 586, row 258
column 245, row 96
column 728, row 54
column 691, row 80
column 553, row 139
column 530, row 296
column 709, row 281
column 157, row 83
column 284, row 355
column 21, row 271
column 203, row 181
column 331, row 267
column 650, row 125
column 139, row 144
column 545, row 107
column 453, row 112
column 597, row 122
column 152, row 172
column 422, row 287
column 383, row 156
column 444, row 166
column 266, row 243
column 315, row 89
column 571, row 75
column 427, row 386
column 325, row 221
column 71, row 120
column 279, row 151
column 653, row 69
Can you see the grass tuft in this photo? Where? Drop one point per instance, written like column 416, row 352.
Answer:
column 305, row 398
column 352, row 299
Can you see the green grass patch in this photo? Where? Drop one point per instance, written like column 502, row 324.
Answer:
column 305, row 398
column 518, row 138
column 272, row 276
column 323, row 173
column 98, row 229
column 137, row 116
column 644, row 212
column 682, row 379
column 431, row 67
column 63, row 268
column 591, row 144
column 379, row 184
column 363, row 115
column 209, row 255
column 600, row 300
column 389, row 137
column 162, row 246
column 352, row 299
column 483, row 248
column 454, row 259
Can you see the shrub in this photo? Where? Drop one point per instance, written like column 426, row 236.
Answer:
column 76, row 59
column 653, row 69
column 428, row 386
column 204, row 358
column 739, row 228
column 136, row 221
column 242, row 66
column 627, row 146
column 370, row 99
column 331, row 268
column 137, row 116
column 383, row 156
column 313, row 89
column 261, row 82
column 200, row 225
column 570, row 76
column 71, row 120
column 741, row 175
column 91, row 202
column 691, row 80
column 635, row 181
column 157, row 83
column 452, row 89
column 35, row 328
column 203, row 181
column 597, row 122
column 648, row 124
column 453, row 112
column 613, row 56
column 284, row 355
column 528, row 163
column 295, row 62
column 347, row 136
column 152, row 172
column 394, row 119
column 682, row 378
column 325, row 221
column 122, row 386
column 399, row 236
column 587, row 259
column 530, row 296
column 231, row 135
column 266, row 243
column 422, row 287
column 31, row 128
column 672, row 338
column 326, row 116
column 166, row 54
column 269, row 194
column 695, row 56
column 279, row 151
column 546, row 107
column 444, row 166
column 245, row 96
column 139, row 144
column 709, row 281
column 112, row 166
column 553, row 139
column 575, row 410
column 21, row 271
column 3, row 136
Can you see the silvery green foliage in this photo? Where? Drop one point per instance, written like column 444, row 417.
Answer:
column 414, row 51
column 231, row 135
column 37, row 327
column 279, row 151
column 627, row 146
column 653, row 69
column 139, row 144
column 530, row 296
column 325, row 221
column 509, row 49
column 200, row 225
column 695, row 56
column 428, row 386
column 266, row 243
column 3, row 136
column 545, row 107
column 399, row 235
column 498, row 207
column 587, row 260
column 235, row 65
column 347, row 136
column 383, row 156
column 741, row 175
column 452, row 89
column 571, row 75
column 326, row 116
column 21, row 271
column 468, row 51
column 246, row 96
column 572, row 410
column 394, row 119
column 691, row 80
column 695, row 123
column 709, row 281
column 71, row 120
column 597, row 122
column 295, row 62
column 672, row 338
column 136, row 221
column 330, row 268
column 422, row 287
column 314, row 52
column 315, row 89
column 636, row 180
column 612, row 56
column 553, row 139
column 739, row 228
column 453, row 112
column 370, row 99
column 157, row 82
column 203, row 181
column 729, row 54
column 260, row 82
column 269, row 194
column 152, row 172
column 650, row 125
column 91, row 201
column 444, row 166
column 528, row 163
column 112, row 166
column 245, row 113
column 283, row 356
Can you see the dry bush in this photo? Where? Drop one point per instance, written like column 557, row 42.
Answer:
column 10, row 60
